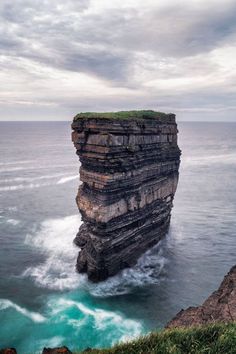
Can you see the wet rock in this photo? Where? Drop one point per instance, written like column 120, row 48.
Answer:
column 129, row 169
column 8, row 351
column 219, row 307
column 61, row 350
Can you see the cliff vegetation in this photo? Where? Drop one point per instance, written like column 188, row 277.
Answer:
column 140, row 114
column 210, row 339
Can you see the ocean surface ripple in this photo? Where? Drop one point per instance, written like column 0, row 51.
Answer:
column 45, row 302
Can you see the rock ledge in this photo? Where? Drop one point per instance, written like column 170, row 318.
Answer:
column 219, row 307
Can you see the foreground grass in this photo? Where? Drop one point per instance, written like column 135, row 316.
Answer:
column 211, row 339
column 143, row 114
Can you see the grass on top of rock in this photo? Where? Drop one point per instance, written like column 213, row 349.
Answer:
column 143, row 114
column 210, row 339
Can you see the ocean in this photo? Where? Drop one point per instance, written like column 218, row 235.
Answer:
column 44, row 302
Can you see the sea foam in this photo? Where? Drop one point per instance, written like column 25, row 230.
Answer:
column 112, row 323
column 34, row 316
column 67, row 179
column 55, row 240
column 148, row 270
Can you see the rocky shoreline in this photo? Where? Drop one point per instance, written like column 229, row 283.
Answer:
column 129, row 169
column 219, row 307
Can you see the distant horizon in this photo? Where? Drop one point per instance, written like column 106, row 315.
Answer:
column 70, row 121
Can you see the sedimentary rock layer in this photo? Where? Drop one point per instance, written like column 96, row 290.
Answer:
column 129, row 169
column 219, row 307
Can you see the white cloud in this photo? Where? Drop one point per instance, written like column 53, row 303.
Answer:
column 58, row 58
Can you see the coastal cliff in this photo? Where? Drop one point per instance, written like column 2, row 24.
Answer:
column 129, row 169
column 219, row 307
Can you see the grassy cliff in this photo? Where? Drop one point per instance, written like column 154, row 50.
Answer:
column 142, row 114
column 211, row 339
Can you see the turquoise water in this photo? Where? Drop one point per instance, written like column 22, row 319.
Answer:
column 44, row 302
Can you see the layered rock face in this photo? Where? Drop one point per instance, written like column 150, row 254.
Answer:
column 129, row 169
column 219, row 307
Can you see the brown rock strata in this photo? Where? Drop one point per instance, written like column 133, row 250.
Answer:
column 129, row 169
column 219, row 307
column 59, row 350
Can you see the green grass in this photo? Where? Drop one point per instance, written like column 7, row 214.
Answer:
column 211, row 339
column 144, row 114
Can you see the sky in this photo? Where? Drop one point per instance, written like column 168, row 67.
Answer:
column 61, row 57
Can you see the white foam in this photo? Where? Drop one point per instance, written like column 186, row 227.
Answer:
column 67, row 179
column 34, row 185
column 16, row 162
column 31, row 179
column 209, row 159
column 14, row 208
column 53, row 342
column 37, row 167
column 148, row 270
column 13, row 222
column 34, row 316
column 103, row 319
column 55, row 240
column 23, row 186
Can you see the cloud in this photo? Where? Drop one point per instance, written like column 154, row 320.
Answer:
column 60, row 57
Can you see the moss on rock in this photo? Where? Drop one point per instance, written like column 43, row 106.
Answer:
column 142, row 114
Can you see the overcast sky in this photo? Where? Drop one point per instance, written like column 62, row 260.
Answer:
column 60, row 57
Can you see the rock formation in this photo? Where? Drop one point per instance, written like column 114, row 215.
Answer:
column 60, row 350
column 219, row 307
column 129, row 169
column 8, row 351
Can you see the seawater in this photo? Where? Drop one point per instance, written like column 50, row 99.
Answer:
column 44, row 302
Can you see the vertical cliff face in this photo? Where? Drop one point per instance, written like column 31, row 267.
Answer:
column 129, row 169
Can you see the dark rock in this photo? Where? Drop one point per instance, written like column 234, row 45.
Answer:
column 61, row 350
column 219, row 307
column 8, row 351
column 129, row 169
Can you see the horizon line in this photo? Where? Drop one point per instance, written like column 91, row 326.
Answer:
column 63, row 121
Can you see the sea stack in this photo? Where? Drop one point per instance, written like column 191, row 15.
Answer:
column 129, row 169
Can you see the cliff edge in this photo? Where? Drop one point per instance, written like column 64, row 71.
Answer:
column 219, row 307
column 129, row 169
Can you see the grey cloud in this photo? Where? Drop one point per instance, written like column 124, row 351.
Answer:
column 176, row 31
column 119, row 45
column 61, row 44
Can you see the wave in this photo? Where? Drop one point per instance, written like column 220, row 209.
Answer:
column 11, row 169
column 148, row 270
column 114, row 324
column 210, row 159
column 34, row 185
column 15, row 162
column 30, row 179
column 42, row 167
column 23, row 186
column 55, row 240
column 13, row 222
column 34, row 316
column 67, row 179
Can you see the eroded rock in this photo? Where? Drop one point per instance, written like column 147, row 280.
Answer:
column 219, row 307
column 129, row 169
column 8, row 351
column 60, row 350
